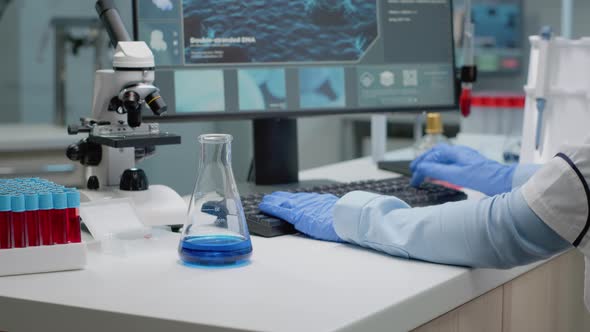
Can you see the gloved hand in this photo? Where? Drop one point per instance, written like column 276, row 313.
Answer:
column 311, row 214
column 464, row 167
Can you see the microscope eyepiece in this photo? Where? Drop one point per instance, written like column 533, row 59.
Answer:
column 112, row 22
column 156, row 103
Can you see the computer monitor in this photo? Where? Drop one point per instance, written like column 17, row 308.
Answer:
column 279, row 59
column 498, row 35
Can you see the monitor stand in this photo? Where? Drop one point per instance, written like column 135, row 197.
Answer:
column 276, row 158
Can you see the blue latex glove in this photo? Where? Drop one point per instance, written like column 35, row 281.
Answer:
column 311, row 214
column 464, row 167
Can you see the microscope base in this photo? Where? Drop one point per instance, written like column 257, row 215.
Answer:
column 157, row 206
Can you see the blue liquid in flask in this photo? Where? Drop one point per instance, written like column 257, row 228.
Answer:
column 215, row 249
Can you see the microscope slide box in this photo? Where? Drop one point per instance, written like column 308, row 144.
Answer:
column 42, row 259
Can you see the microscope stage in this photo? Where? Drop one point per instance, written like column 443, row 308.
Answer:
column 131, row 141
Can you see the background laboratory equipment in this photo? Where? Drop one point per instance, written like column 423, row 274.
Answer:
column 117, row 136
column 498, row 35
column 434, row 134
column 215, row 231
column 556, row 79
column 495, row 114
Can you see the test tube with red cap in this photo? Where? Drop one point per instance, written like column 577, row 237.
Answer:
column 32, row 219
column 44, row 213
column 5, row 222
column 74, row 232
column 17, row 205
column 59, row 217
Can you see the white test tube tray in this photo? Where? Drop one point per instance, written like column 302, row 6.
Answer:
column 63, row 257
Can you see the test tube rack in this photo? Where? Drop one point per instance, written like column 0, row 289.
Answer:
column 39, row 227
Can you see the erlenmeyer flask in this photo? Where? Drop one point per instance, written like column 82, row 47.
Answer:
column 215, row 231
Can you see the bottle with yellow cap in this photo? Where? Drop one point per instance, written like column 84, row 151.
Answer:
column 434, row 134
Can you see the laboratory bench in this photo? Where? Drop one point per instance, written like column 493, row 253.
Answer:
column 38, row 150
column 294, row 284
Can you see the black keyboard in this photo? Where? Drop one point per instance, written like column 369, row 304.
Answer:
column 427, row 194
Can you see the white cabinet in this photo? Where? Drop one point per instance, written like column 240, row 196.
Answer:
column 546, row 299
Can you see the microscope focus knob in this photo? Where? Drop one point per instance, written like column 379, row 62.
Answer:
column 87, row 153
column 133, row 179
column 74, row 152
column 92, row 183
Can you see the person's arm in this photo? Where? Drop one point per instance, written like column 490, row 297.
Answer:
column 498, row 232
column 467, row 168
column 523, row 173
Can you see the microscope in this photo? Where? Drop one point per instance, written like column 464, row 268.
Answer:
column 117, row 136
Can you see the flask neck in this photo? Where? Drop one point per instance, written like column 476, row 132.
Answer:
column 215, row 173
column 215, row 153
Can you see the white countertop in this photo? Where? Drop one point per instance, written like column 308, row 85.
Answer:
column 292, row 284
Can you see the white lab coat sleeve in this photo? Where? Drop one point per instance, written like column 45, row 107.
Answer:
column 500, row 231
column 587, row 283
column 559, row 194
column 523, row 173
